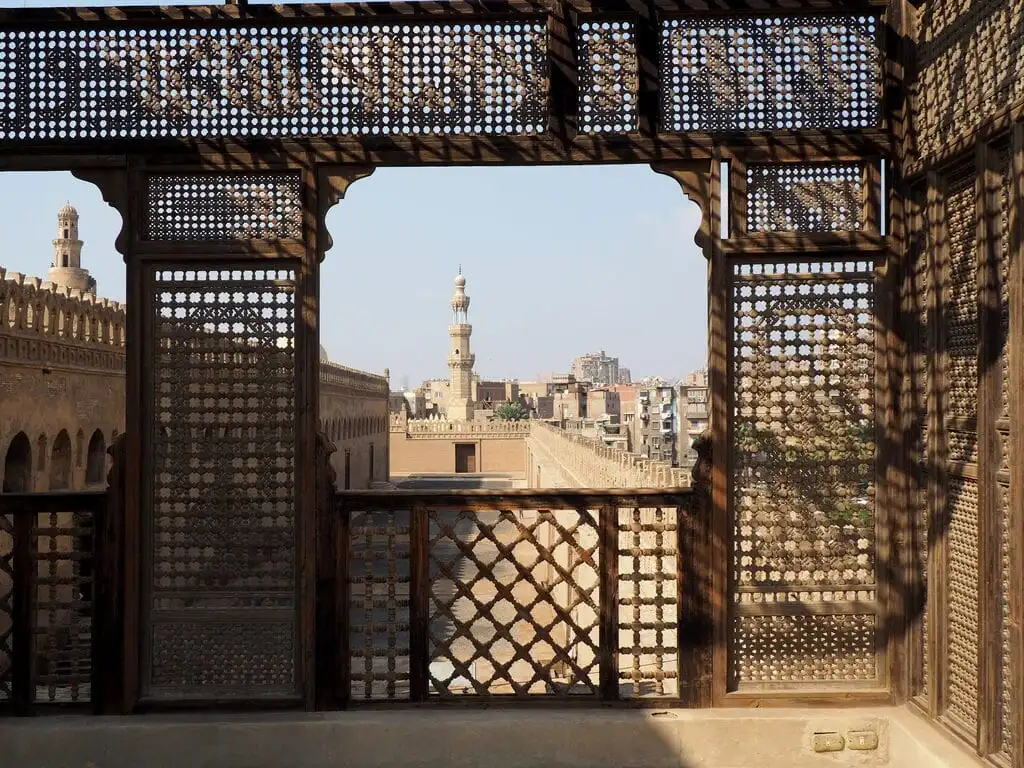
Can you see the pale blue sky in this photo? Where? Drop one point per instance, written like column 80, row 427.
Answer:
column 558, row 261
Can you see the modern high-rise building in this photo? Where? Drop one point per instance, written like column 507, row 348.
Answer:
column 597, row 368
column 656, row 423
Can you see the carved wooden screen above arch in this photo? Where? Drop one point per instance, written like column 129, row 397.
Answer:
column 803, row 440
column 220, row 531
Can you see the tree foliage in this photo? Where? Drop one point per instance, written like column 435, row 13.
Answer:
column 510, row 412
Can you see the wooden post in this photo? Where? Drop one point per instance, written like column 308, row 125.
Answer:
column 23, row 652
column 419, row 604
column 694, row 557
column 328, row 683
column 608, row 591
column 108, row 592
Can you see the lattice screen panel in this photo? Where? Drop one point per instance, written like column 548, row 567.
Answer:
column 648, row 602
column 275, row 81
column 514, row 602
column 803, row 452
column 962, row 601
column 63, row 609
column 802, row 197
column 763, row 73
column 960, row 311
column 1007, row 681
column 608, row 76
column 788, row 651
column 221, row 536
column 6, row 603
column 379, row 605
column 222, row 206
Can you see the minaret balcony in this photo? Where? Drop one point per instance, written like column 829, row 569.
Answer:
column 460, row 329
column 458, row 361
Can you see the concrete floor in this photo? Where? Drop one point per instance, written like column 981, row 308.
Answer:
column 446, row 738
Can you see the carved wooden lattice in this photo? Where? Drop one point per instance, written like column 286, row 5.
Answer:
column 648, row 602
column 804, row 464
column 961, row 298
column 513, row 602
column 379, row 605
column 221, row 531
column 962, row 616
column 608, row 77
column 6, row 603
column 275, row 81
column 800, row 197
column 770, row 73
column 212, row 207
column 63, row 609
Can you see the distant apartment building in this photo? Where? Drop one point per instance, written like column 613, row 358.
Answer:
column 570, row 403
column 603, row 402
column 692, row 399
column 655, row 426
column 624, row 376
column 627, row 409
column 487, row 394
column 597, row 368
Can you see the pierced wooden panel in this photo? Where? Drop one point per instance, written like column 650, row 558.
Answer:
column 803, row 425
column 762, row 73
column 222, row 206
column 962, row 447
column 961, row 298
column 963, row 50
column 648, row 602
column 513, row 602
column 63, row 610
column 196, row 658
column 962, row 601
column 1007, row 680
column 787, row 651
column 608, row 77
column 379, row 605
column 221, row 536
column 6, row 603
column 1005, row 193
column 267, row 80
column 799, row 197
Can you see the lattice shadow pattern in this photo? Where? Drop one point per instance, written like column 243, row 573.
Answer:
column 513, row 602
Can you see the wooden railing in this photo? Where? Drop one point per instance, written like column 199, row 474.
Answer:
column 516, row 595
column 50, row 651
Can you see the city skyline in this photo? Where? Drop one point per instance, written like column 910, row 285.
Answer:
column 574, row 279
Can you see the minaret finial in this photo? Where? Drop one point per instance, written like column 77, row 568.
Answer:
column 460, row 267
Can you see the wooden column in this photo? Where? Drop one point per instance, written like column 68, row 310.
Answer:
column 608, row 601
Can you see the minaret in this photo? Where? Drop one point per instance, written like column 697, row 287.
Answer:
column 460, row 360
column 67, row 254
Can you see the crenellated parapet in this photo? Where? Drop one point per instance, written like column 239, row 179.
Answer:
column 353, row 380
column 444, row 429
column 43, row 323
column 584, row 462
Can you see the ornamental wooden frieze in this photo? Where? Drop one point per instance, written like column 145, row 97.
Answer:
column 433, row 75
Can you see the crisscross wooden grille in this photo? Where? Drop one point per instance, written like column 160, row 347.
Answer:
column 513, row 602
column 518, row 596
column 6, row 604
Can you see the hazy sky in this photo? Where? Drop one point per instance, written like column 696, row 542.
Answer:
column 558, row 262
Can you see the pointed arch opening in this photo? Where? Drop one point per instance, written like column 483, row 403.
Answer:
column 60, row 462
column 18, row 465
column 96, row 461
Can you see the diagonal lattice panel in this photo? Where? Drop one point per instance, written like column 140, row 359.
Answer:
column 513, row 602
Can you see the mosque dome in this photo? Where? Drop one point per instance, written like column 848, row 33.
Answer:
column 324, row 357
column 67, row 210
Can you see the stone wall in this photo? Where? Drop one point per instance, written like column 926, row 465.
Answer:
column 558, row 459
column 354, row 415
column 61, row 384
column 425, row 446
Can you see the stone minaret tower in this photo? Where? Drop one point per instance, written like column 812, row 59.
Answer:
column 67, row 254
column 460, row 360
